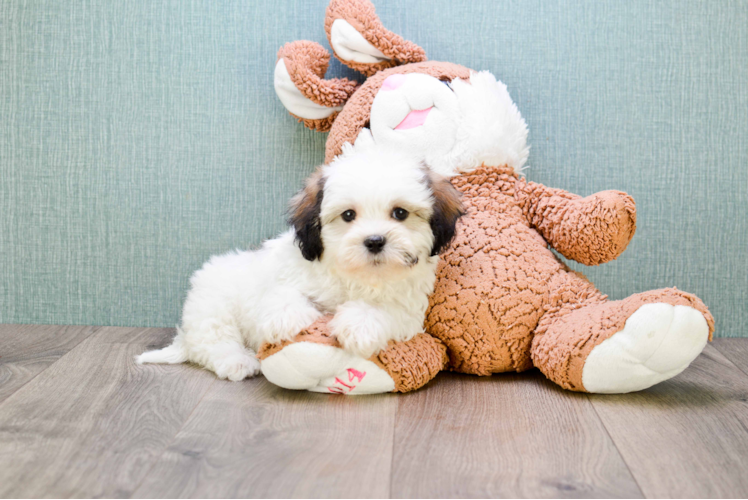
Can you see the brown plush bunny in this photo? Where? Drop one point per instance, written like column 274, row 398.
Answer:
column 502, row 300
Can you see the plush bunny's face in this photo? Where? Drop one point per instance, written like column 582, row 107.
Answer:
column 443, row 114
column 416, row 113
column 454, row 124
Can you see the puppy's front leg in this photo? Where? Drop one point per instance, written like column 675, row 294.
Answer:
column 284, row 312
column 361, row 328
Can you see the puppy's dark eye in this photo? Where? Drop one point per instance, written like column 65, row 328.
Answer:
column 400, row 214
column 348, row 215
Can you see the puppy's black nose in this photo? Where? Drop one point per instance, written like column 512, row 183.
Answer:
column 375, row 244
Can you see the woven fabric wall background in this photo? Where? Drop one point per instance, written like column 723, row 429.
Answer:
column 138, row 138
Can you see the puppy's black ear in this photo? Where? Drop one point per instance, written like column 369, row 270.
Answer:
column 304, row 216
column 447, row 210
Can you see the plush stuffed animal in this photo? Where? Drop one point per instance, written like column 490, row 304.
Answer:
column 502, row 300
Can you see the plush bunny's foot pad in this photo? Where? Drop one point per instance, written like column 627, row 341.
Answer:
column 314, row 361
column 657, row 343
column 324, row 368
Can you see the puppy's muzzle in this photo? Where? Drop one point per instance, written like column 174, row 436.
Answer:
column 375, row 244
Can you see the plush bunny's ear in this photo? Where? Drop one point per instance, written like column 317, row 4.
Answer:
column 301, row 87
column 361, row 42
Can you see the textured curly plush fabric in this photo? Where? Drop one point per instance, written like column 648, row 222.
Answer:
column 591, row 230
column 494, row 282
column 413, row 363
column 502, row 300
column 361, row 15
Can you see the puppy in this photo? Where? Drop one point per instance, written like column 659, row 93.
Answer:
column 366, row 233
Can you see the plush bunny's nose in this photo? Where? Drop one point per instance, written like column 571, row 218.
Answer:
column 393, row 81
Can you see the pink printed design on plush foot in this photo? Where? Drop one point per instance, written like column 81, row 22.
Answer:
column 353, row 374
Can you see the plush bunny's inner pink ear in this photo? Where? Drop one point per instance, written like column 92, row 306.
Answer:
column 361, row 42
column 300, row 85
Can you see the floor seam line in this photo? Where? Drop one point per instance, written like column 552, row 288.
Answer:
column 620, row 453
column 724, row 355
column 392, row 456
column 95, row 329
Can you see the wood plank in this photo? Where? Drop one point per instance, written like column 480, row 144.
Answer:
column 256, row 440
column 736, row 350
column 94, row 423
column 687, row 437
column 27, row 350
column 510, row 435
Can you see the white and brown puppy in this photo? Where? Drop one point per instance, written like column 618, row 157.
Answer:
column 367, row 231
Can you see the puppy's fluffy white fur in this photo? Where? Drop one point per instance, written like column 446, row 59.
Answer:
column 321, row 266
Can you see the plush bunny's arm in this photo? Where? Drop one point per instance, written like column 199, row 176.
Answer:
column 591, row 230
column 314, row 361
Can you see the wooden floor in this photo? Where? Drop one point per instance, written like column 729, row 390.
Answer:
column 79, row 419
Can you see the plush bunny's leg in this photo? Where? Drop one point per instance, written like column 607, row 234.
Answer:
column 414, row 363
column 622, row 346
column 314, row 361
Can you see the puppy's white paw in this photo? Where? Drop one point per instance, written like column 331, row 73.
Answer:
column 360, row 345
column 360, row 328
column 284, row 323
column 237, row 366
column 657, row 342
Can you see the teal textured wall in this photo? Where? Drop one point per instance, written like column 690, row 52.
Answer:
column 138, row 138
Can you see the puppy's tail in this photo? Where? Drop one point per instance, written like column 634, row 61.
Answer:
column 174, row 354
